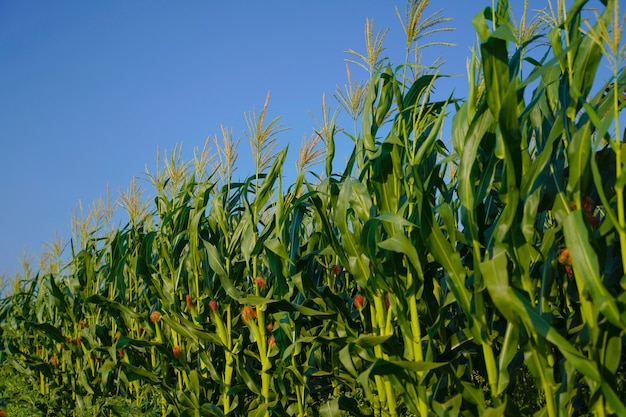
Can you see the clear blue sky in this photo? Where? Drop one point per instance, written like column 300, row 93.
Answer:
column 90, row 89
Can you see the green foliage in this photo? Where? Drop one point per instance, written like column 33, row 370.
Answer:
column 480, row 277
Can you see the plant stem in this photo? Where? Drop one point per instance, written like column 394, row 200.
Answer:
column 418, row 354
column 380, row 386
column 619, row 186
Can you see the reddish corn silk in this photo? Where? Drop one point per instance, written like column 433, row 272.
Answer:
column 337, row 269
column 176, row 351
column 189, row 302
column 248, row 312
column 359, row 301
column 260, row 281
column 565, row 258
column 271, row 341
column 213, row 306
column 155, row 316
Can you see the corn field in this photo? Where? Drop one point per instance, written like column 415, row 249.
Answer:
column 480, row 274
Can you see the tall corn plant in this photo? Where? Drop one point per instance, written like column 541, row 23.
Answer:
column 512, row 233
column 530, row 189
column 424, row 278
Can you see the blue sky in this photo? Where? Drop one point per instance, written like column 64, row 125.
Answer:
column 89, row 90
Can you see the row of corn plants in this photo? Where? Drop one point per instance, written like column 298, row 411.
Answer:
column 480, row 275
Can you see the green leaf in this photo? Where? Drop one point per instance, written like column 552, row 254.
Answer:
column 216, row 263
column 496, row 70
column 276, row 246
column 578, row 155
column 211, row 410
column 124, row 341
column 615, row 403
column 353, row 194
column 587, row 268
column 401, row 244
column 136, row 372
column 386, row 96
column 449, row 259
column 507, row 354
column 368, row 341
column 330, row 408
column 386, row 367
column 97, row 299
column 186, row 328
column 47, row 329
column 412, row 97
